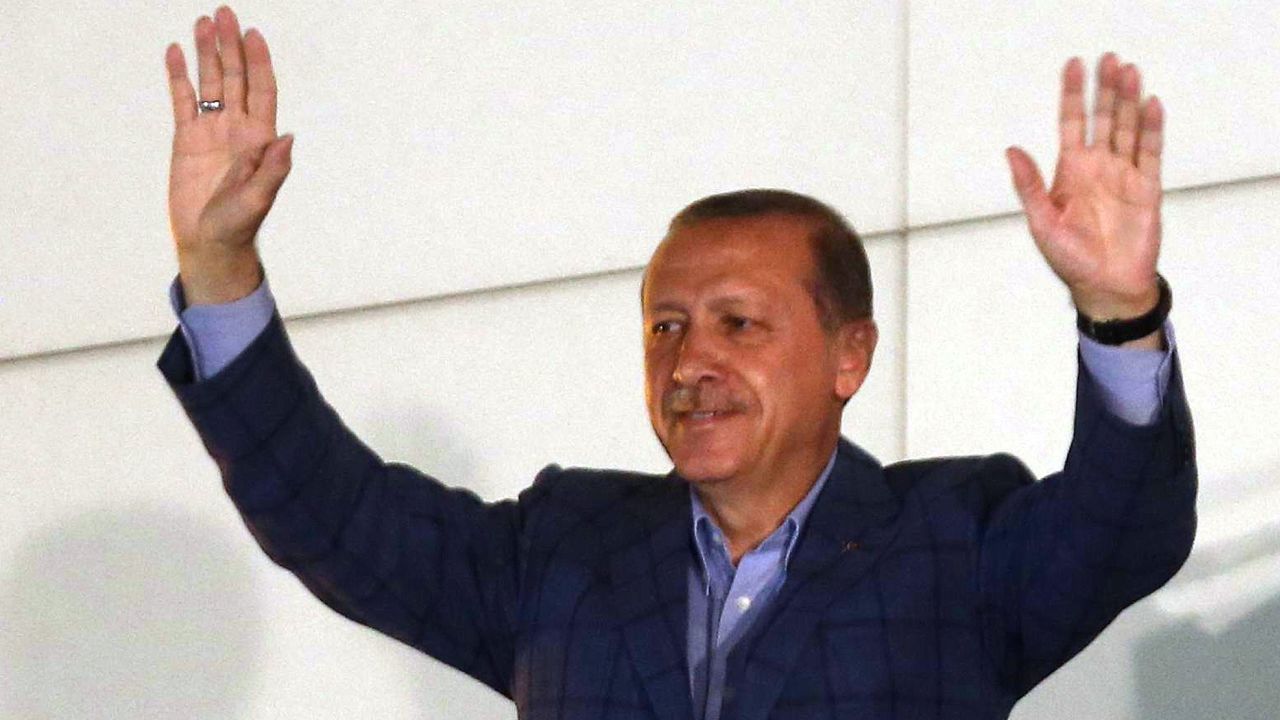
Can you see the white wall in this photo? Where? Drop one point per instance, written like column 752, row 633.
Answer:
column 474, row 192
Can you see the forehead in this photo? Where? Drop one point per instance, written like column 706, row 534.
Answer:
column 773, row 251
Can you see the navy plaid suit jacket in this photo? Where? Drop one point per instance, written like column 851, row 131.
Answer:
column 941, row 588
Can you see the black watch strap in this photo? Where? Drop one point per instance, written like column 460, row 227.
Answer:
column 1116, row 332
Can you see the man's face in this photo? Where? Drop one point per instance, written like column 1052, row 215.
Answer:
column 741, row 381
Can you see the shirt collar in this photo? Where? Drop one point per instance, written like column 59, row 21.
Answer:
column 704, row 527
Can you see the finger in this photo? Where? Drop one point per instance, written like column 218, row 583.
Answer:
column 232, row 54
column 180, row 90
column 262, row 78
column 1104, row 100
column 1151, row 139
column 209, row 64
column 1071, row 122
column 1029, row 185
column 261, row 189
column 1125, row 133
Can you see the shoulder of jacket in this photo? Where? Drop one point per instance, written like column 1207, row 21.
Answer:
column 991, row 476
column 556, row 481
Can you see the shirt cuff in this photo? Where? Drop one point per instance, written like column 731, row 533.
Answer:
column 217, row 334
column 1132, row 382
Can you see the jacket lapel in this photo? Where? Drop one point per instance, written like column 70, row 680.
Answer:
column 847, row 530
column 649, row 574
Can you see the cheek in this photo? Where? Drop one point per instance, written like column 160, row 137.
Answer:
column 657, row 367
column 652, row 397
column 654, row 386
column 767, row 378
column 790, row 386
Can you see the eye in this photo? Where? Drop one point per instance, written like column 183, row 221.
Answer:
column 663, row 327
column 737, row 322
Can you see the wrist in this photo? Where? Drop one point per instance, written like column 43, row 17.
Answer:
column 218, row 278
column 1101, row 307
column 1116, row 323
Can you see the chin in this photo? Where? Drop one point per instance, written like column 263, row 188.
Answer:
column 703, row 469
column 704, row 459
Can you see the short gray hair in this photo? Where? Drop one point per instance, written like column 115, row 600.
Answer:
column 842, row 286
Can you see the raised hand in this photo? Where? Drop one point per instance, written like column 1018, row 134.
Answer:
column 1099, row 225
column 227, row 164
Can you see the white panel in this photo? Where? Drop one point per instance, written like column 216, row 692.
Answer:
column 990, row 345
column 991, row 367
column 441, row 147
column 986, row 77
column 109, row 500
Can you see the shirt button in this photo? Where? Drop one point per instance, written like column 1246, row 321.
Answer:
column 743, row 602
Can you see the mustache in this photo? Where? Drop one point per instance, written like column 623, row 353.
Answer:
column 694, row 398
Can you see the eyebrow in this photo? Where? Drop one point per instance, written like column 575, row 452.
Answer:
column 720, row 303
column 665, row 306
column 731, row 301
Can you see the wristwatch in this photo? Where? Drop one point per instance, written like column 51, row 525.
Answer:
column 1116, row 332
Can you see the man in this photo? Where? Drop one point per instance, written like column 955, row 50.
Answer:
column 778, row 571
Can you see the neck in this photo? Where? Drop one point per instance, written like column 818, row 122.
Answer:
column 748, row 510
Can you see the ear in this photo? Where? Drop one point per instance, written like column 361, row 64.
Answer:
column 855, row 344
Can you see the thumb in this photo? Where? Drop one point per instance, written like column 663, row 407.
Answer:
column 1031, row 193
column 241, row 169
column 277, row 160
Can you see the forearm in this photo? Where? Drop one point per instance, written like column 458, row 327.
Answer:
column 378, row 542
column 1062, row 557
column 216, row 276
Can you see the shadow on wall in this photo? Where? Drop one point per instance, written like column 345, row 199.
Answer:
column 1221, row 658
column 137, row 612
column 1185, row 673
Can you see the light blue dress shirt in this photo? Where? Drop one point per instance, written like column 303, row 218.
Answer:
column 723, row 599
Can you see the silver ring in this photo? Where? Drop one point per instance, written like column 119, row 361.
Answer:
column 209, row 105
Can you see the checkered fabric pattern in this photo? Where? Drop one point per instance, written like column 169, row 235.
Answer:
column 942, row 588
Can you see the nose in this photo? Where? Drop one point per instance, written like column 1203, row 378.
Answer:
column 697, row 359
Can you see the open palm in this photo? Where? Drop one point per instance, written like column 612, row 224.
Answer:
column 227, row 165
column 1098, row 226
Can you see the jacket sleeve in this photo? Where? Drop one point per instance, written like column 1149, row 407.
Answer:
column 380, row 543
column 1061, row 558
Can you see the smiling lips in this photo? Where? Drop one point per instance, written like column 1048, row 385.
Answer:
column 704, row 418
column 699, row 406
column 700, row 417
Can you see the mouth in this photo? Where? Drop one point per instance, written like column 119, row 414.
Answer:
column 703, row 417
column 692, row 407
